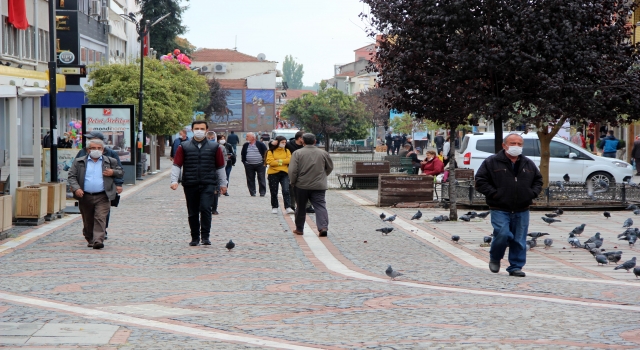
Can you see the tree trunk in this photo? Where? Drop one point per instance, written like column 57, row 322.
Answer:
column 453, row 211
column 497, row 127
column 545, row 154
column 326, row 141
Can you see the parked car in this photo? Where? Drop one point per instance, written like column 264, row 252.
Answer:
column 566, row 158
column 288, row 133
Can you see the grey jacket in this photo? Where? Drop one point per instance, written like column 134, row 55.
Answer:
column 79, row 169
column 309, row 168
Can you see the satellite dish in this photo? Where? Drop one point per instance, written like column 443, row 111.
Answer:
column 262, row 57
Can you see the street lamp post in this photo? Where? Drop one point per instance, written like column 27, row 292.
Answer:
column 53, row 91
column 142, row 29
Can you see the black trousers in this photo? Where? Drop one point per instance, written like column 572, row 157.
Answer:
column 280, row 179
column 251, row 170
column 317, row 199
column 389, row 148
column 199, row 201
column 216, row 196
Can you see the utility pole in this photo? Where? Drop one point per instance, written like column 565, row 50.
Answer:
column 53, row 91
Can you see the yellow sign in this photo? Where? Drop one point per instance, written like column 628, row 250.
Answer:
column 72, row 70
column 61, row 23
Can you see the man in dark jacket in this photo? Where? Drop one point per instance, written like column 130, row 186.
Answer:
column 439, row 141
column 233, row 140
column 610, row 145
column 181, row 138
column 293, row 145
column 202, row 165
column 389, row 141
column 635, row 154
column 252, row 156
column 510, row 182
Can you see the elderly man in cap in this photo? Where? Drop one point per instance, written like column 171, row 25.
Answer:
column 96, row 135
column 92, row 181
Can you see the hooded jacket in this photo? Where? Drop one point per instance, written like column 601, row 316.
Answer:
column 506, row 187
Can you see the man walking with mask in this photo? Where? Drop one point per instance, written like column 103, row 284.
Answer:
column 202, row 163
column 252, row 155
column 510, row 182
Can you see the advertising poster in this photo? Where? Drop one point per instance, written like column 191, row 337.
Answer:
column 65, row 160
column 259, row 110
column 232, row 119
column 115, row 122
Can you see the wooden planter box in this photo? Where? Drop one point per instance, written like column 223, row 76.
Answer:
column 6, row 205
column 63, row 195
column 53, row 197
column 393, row 189
column 31, row 202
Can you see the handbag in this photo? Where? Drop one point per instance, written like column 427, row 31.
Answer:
column 115, row 201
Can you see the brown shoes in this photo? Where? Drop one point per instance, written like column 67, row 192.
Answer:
column 298, row 232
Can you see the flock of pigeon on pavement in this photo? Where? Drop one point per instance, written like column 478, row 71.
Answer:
column 592, row 245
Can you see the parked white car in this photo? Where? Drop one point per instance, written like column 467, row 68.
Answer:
column 566, row 158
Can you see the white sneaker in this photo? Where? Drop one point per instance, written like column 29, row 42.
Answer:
column 274, row 211
column 290, row 211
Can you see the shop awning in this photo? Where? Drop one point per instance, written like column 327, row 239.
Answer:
column 67, row 99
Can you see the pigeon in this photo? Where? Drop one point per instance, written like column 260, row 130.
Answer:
column 439, row 218
column 632, row 207
column 637, row 211
column 472, row 214
column 607, row 254
column 595, row 252
column 578, row 230
column 550, row 220
column 566, row 177
column 230, row 245
column 417, row 215
column 465, row 218
column 615, row 258
column 560, row 184
column 602, row 260
column 392, row 273
column 627, row 265
column 606, row 214
column 484, row 214
column 632, row 240
column 382, row 216
column 385, row 230
column 628, row 223
column 455, row 238
column 548, row 242
column 630, row 231
column 559, row 211
column 603, row 185
column 532, row 243
column 636, row 271
column 536, row 235
column 590, row 192
column 631, row 183
column 390, row 218
column 595, row 238
column 574, row 242
column 487, row 239
column 589, row 246
column 552, row 215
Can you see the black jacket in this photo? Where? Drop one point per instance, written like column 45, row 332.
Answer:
column 292, row 146
column 261, row 147
column 504, row 190
column 233, row 139
column 231, row 160
column 199, row 166
column 635, row 151
column 389, row 139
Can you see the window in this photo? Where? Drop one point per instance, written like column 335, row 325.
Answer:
column 530, row 148
column 10, row 38
column 29, row 47
column 559, row 150
column 43, row 42
column 83, row 55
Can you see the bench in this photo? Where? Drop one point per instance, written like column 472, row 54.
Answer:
column 364, row 175
column 407, row 166
column 402, row 188
column 394, row 162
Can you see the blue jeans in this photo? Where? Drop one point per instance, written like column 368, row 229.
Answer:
column 609, row 154
column 228, row 169
column 509, row 230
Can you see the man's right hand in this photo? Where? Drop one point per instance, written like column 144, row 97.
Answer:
column 174, row 186
column 79, row 193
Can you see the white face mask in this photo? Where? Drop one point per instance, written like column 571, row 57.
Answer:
column 222, row 142
column 514, row 151
column 282, row 145
column 199, row 134
column 95, row 154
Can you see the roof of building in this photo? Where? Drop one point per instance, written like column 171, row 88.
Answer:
column 346, row 74
column 233, row 83
column 293, row 94
column 360, row 48
column 222, row 55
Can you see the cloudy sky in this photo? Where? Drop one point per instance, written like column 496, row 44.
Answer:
column 318, row 33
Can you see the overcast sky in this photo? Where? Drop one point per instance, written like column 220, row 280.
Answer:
column 318, row 33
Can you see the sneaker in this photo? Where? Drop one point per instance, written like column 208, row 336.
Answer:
column 194, row 243
column 310, row 210
column 206, row 242
column 494, row 266
column 226, row 194
column 274, row 211
column 517, row 273
column 290, row 211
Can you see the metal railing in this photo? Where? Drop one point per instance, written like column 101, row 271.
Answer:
column 343, row 164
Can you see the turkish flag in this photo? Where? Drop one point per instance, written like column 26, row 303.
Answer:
column 18, row 14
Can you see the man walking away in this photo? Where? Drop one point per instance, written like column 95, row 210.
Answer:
column 202, row 163
column 252, row 156
column 91, row 179
column 182, row 138
column 233, row 140
column 389, row 140
column 635, row 154
column 397, row 140
column 439, row 141
column 308, row 171
column 610, row 145
column 293, row 145
column 510, row 182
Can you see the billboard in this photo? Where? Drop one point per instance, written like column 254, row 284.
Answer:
column 259, row 110
column 232, row 120
column 116, row 123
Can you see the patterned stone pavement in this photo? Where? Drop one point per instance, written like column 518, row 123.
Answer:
column 277, row 290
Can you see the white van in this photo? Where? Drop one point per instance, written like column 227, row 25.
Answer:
column 566, row 158
column 287, row 133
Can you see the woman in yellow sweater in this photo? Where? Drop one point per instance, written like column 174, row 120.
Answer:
column 277, row 159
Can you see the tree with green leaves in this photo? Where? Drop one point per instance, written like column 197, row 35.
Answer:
column 216, row 104
column 171, row 91
column 331, row 114
column 292, row 73
column 163, row 35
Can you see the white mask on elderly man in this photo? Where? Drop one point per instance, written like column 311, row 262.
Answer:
column 95, row 153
